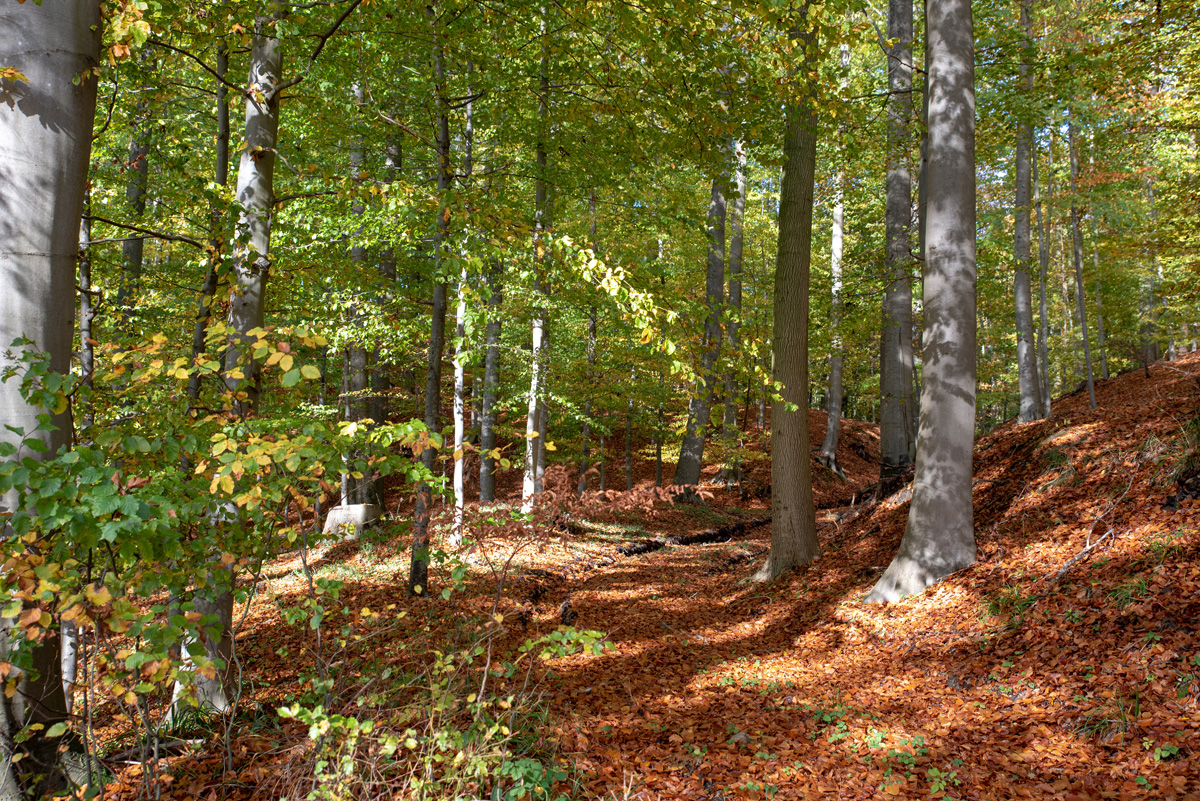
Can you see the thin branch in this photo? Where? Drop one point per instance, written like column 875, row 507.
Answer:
column 407, row 130
column 147, row 232
column 324, row 38
column 198, row 60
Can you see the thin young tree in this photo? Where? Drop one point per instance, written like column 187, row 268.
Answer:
column 833, row 396
column 691, row 452
column 1027, row 377
column 1077, row 252
column 940, row 536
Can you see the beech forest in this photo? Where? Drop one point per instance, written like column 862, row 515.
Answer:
column 599, row 400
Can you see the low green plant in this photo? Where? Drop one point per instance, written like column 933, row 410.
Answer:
column 1012, row 604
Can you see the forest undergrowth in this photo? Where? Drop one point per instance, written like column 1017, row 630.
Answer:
column 1064, row 664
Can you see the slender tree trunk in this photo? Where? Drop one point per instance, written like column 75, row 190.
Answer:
column 1077, row 239
column 833, row 398
column 533, row 420
column 418, row 577
column 895, row 362
column 629, row 434
column 1100, row 335
column 1027, row 378
column 87, row 314
column 603, row 467
column 940, row 536
column 658, row 443
column 45, row 146
column 584, row 460
column 793, row 517
column 137, row 172
column 732, row 472
column 491, row 382
column 691, row 452
column 208, row 291
column 461, row 350
column 1044, row 266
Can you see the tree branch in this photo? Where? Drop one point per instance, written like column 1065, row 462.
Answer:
column 147, row 232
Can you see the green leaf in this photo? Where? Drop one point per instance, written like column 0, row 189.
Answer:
column 291, row 378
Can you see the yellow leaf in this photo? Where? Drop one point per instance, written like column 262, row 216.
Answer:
column 310, row 372
column 97, row 597
column 285, row 363
column 550, row 446
column 227, row 483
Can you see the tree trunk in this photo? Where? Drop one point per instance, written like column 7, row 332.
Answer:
column 833, row 398
column 45, row 146
column 215, row 239
column 1027, row 378
column 256, row 195
column 87, row 315
column 137, row 171
column 940, row 536
column 895, row 354
column 1044, row 262
column 1077, row 239
column 793, row 518
column 461, row 350
column 691, row 452
column 732, row 472
column 533, row 420
column 418, row 575
column 491, row 383
column 585, row 458
column 584, row 461
column 1100, row 335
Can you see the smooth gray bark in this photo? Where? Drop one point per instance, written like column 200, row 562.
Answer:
column 418, row 574
column 895, row 354
column 533, row 418
column 1044, row 266
column 732, row 471
column 208, row 291
column 491, row 384
column 691, row 452
column 1077, row 241
column 1027, row 379
column 793, row 517
column 87, row 316
column 45, row 145
column 940, row 536
column 833, row 396
column 584, row 460
column 137, row 173
column 461, row 353
column 256, row 197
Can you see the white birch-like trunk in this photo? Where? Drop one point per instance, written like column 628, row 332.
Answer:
column 940, row 536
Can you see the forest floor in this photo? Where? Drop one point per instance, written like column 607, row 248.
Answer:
column 1064, row 664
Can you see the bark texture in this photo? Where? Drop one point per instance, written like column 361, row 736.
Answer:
column 793, row 518
column 45, row 145
column 691, row 452
column 895, row 354
column 940, row 537
column 256, row 196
